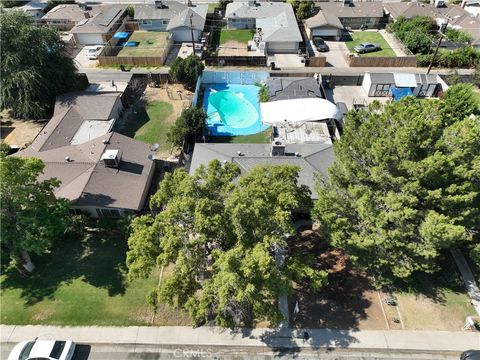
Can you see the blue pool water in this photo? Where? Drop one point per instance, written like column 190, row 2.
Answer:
column 232, row 110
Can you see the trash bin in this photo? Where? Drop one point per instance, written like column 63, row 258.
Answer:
column 272, row 66
column 122, row 67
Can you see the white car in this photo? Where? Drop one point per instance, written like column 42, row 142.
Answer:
column 94, row 51
column 43, row 349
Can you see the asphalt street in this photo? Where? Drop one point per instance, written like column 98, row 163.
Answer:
column 149, row 352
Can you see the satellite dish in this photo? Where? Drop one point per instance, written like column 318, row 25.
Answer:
column 151, row 157
column 154, row 147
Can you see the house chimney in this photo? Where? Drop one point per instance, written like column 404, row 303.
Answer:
column 278, row 148
column 189, row 3
column 159, row 4
column 347, row 3
column 86, row 14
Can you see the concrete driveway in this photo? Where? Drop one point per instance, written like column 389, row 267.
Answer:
column 81, row 61
column 336, row 55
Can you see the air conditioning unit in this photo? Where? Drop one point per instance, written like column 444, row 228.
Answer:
column 278, row 148
column 111, row 158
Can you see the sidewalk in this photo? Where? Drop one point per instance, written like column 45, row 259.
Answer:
column 284, row 338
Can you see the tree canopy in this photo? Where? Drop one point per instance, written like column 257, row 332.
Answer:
column 186, row 71
column 223, row 239
column 31, row 217
column 34, row 68
column 188, row 126
column 405, row 183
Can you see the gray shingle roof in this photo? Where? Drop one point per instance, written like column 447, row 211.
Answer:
column 277, row 20
column 198, row 16
column 70, row 12
column 173, row 11
column 280, row 88
column 312, row 158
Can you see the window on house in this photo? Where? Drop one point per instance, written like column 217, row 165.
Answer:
column 146, row 22
column 165, row 22
column 75, row 211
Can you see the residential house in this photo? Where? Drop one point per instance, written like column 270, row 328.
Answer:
column 34, row 8
column 333, row 18
column 457, row 17
column 173, row 16
column 276, row 24
column 100, row 28
column 102, row 173
column 66, row 16
column 311, row 158
column 472, row 6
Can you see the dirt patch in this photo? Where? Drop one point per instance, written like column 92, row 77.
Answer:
column 19, row 133
column 347, row 302
column 43, row 314
column 233, row 48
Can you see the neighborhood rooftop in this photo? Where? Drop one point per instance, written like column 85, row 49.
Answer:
column 102, row 22
column 71, row 12
column 178, row 13
column 281, row 88
column 311, row 158
column 277, row 20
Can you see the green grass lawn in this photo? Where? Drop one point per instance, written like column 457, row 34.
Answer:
column 260, row 138
column 151, row 43
column 371, row 37
column 151, row 123
column 81, row 282
column 243, row 36
column 435, row 302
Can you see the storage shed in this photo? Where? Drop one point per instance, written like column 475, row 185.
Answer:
column 421, row 85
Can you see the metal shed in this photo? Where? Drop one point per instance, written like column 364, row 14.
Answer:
column 421, row 85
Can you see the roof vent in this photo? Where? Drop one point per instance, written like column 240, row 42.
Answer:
column 67, row 158
column 160, row 5
column 111, row 158
column 239, row 153
column 297, row 154
column 105, row 141
column 224, row 161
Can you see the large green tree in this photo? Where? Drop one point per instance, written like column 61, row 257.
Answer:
column 224, row 240
column 34, row 68
column 405, row 183
column 186, row 71
column 188, row 126
column 31, row 217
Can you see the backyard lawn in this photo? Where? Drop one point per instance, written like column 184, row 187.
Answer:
column 151, row 43
column 82, row 282
column 243, row 36
column 151, row 123
column 260, row 138
column 370, row 37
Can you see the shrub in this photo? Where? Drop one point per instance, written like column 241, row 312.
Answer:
column 466, row 57
column 458, row 36
column 415, row 33
column 186, row 71
column 188, row 126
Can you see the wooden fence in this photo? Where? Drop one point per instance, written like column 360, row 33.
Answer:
column 236, row 60
column 400, row 61
column 318, row 61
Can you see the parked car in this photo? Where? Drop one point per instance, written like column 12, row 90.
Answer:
column 366, row 47
column 94, row 51
column 470, row 355
column 320, row 44
column 43, row 349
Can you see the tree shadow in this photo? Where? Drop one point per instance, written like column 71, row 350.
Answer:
column 433, row 286
column 340, row 304
column 97, row 258
column 134, row 121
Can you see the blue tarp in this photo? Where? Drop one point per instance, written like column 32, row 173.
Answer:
column 121, row 35
column 399, row 93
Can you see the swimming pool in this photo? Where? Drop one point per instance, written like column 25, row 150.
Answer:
column 232, row 109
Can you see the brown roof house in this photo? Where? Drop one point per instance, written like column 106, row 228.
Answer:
column 100, row 28
column 102, row 173
column 335, row 17
column 66, row 16
column 458, row 18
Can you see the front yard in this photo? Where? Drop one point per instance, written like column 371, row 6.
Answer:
column 82, row 282
column 358, row 37
column 150, row 43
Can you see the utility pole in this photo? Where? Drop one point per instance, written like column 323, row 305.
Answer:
column 191, row 31
column 436, row 49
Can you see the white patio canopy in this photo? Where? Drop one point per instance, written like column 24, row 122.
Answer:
column 298, row 110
